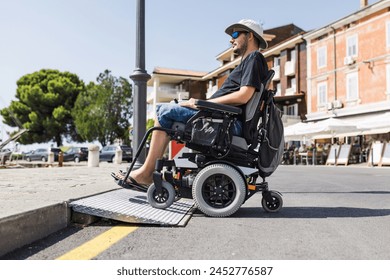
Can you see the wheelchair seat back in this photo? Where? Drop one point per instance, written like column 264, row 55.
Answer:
column 254, row 110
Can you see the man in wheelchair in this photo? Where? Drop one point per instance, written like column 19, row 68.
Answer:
column 209, row 127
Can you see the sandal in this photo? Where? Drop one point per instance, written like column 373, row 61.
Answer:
column 130, row 183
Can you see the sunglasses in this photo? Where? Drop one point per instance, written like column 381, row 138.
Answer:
column 235, row 34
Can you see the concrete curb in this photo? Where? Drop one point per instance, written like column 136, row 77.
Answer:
column 28, row 227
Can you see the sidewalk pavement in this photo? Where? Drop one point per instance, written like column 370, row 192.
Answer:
column 34, row 201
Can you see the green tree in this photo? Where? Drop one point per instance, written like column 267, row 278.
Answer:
column 43, row 106
column 104, row 110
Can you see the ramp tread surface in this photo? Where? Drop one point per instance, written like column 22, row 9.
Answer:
column 132, row 207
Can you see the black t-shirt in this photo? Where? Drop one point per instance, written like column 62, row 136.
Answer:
column 252, row 71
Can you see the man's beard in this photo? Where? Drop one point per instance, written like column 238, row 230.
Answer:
column 237, row 52
column 240, row 51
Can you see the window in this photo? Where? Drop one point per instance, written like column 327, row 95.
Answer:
column 292, row 55
column 292, row 83
column 276, row 61
column 291, row 110
column 352, row 87
column 321, row 57
column 352, row 46
column 278, row 88
column 322, row 96
column 388, row 34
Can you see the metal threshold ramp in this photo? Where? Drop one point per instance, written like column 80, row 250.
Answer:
column 132, row 207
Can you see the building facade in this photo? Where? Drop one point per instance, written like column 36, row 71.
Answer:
column 348, row 66
column 167, row 84
column 287, row 57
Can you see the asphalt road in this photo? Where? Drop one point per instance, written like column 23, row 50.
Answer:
column 329, row 213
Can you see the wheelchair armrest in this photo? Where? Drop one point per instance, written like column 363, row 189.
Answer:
column 203, row 104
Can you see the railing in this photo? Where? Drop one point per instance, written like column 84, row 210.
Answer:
column 276, row 76
column 167, row 94
column 211, row 91
column 289, row 68
column 291, row 91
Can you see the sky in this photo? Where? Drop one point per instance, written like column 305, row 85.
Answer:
column 86, row 37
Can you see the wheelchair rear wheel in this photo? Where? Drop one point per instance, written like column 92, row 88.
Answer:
column 219, row 190
column 165, row 199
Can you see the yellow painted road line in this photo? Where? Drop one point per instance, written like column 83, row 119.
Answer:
column 99, row 244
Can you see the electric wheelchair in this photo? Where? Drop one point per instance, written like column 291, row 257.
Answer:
column 220, row 171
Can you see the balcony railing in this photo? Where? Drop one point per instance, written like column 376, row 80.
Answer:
column 291, row 91
column 167, row 94
column 289, row 68
column 277, row 73
column 211, row 91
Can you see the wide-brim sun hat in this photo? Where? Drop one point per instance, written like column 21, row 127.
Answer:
column 251, row 26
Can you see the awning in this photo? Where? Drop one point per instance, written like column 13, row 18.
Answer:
column 340, row 127
column 317, row 130
column 295, row 132
column 376, row 131
column 377, row 124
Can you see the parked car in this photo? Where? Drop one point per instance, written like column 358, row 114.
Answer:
column 5, row 154
column 108, row 153
column 42, row 154
column 76, row 154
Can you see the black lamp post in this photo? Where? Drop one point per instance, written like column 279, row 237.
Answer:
column 140, row 78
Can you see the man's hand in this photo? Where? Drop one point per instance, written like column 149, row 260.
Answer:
column 190, row 103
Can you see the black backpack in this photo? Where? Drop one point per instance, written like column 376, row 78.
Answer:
column 271, row 137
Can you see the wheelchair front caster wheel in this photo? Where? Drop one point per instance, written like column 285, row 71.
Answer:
column 164, row 200
column 272, row 202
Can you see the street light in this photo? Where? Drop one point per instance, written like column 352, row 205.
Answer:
column 140, row 78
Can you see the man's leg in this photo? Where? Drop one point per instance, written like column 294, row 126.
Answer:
column 166, row 115
column 158, row 145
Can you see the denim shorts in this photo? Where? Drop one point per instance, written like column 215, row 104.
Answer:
column 169, row 113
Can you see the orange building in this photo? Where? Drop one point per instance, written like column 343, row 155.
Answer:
column 348, row 66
